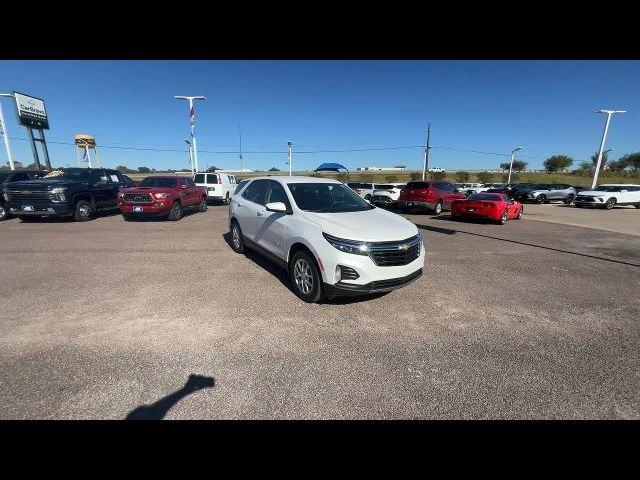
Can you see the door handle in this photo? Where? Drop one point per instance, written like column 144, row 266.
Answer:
column 260, row 213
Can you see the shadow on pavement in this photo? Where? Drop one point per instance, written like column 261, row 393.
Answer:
column 157, row 410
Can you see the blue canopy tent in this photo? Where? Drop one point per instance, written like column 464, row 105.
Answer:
column 331, row 167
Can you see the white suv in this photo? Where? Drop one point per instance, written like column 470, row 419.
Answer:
column 220, row 186
column 609, row 195
column 387, row 195
column 331, row 241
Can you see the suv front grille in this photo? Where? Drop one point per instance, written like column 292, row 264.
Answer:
column 393, row 254
column 137, row 198
column 585, row 198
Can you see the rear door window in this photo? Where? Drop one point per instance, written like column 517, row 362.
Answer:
column 199, row 178
column 212, row 178
column 255, row 192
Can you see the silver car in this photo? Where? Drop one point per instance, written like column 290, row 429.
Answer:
column 544, row 193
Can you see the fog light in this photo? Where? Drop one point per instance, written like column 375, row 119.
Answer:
column 159, row 204
column 338, row 274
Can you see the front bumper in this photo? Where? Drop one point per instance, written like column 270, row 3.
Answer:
column 39, row 209
column 156, row 208
column 342, row 289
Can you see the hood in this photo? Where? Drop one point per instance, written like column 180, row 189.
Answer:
column 376, row 225
column 41, row 184
column 593, row 193
column 147, row 190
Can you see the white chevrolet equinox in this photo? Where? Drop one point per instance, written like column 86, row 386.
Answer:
column 331, row 241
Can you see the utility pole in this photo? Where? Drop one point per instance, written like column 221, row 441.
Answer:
column 240, row 132
column 290, row 144
column 426, row 153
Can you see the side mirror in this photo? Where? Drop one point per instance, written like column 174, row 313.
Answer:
column 276, row 207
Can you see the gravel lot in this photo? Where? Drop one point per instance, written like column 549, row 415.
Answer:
column 534, row 319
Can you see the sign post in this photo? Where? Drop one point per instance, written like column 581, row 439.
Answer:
column 32, row 114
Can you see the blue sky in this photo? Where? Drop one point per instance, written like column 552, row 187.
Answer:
column 490, row 106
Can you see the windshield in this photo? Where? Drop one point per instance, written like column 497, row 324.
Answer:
column 69, row 174
column 611, row 189
column 327, row 198
column 485, row 197
column 158, row 182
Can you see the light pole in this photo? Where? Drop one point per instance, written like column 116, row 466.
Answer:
column 511, row 164
column 290, row 144
column 190, row 155
column 5, row 134
column 604, row 137
column 192, row 121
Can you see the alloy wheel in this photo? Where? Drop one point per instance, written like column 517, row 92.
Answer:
column 303, row 276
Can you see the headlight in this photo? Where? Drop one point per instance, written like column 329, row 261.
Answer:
column 161, row 195
column 59, row 194
column 348, row 246
column 120, row 195
column 6, row 196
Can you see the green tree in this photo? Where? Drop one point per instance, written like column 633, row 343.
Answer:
column 514, row 178
column 123, row 169
column 144, row 170
column 486, row 177
column 212, row 169
column 415, row 176
column 630, row 161
column 391, row 178
column 504, row 166
column 557, row 163
column 274, row 169
column 518, row 166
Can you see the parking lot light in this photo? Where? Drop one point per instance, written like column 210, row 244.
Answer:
column 192, row 122
column 5, row 134
column 511, row 164
column 604, row 137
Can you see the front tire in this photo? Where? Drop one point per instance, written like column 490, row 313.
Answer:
column 367, row 197
column 237, row 240
column 504, row 217
column 438, row 208
column 519, row 217
column 305, row 278
column 4, row 214
column 610, row 204
column 541, row 199
column 176, row 212
column 569, row 199
column 82, row 212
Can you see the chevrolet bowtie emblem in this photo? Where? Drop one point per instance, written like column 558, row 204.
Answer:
column 403, row 247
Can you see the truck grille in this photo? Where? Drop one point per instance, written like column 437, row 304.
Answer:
column 137, row 198
column 585, row 198
column 393, row 254
column 28, row 195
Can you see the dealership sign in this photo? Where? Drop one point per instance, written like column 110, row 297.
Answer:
column 31, row 111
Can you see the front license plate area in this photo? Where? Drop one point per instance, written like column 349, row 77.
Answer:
column 28, row 208
column 138, row 209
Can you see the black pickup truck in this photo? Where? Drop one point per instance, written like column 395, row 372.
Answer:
column 75, row 192
column 6, row 177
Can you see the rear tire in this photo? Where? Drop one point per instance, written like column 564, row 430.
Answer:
column 610, row 204
column 176, row 212
column 226, row 199
column 438, row 208
column 305, row 278
column 203, row 205
column 637, row 205
column 237, row 240
column 82, row 212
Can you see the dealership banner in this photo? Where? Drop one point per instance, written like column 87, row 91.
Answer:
column 31, row 111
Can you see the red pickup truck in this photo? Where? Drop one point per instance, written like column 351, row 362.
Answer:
column 162, row 196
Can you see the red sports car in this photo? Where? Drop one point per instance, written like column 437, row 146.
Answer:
column 494, row 206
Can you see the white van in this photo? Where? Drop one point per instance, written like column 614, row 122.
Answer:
column 220, row 186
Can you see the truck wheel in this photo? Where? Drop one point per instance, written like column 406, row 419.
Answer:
column 438, row 208
column 305, row 278
column 610, row 203
column 82, row 211
column 176, row 212
column 237, row 241
column 3, row 213
column 203, row 205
